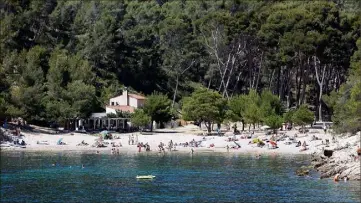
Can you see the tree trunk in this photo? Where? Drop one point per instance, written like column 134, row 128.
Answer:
column 242, row 124
column 278, row 81
column 151, row 125
column 320, row 83
column 175, row 91
column 304, row 85
column 209, row 126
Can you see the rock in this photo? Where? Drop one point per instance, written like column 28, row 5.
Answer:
column 303, row 171
column 318, row 164
column 328, row 153
column 352, row 171
column 339, row 160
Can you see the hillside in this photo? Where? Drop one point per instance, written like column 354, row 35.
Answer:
column 65, row 59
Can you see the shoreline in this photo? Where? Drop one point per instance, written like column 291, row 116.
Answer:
column 73, row 139
column 178, row 136
column 339, row 162
column 135, row 151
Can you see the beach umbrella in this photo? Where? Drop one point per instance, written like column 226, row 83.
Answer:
column 59, row 141
column 104, row 133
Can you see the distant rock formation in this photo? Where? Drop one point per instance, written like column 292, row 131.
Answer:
column 340, row 160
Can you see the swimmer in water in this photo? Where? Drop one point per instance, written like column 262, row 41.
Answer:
column 82, row 166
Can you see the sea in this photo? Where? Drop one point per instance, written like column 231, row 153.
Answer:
column 74, row 176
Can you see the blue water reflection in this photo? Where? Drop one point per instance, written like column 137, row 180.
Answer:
column 32, row 177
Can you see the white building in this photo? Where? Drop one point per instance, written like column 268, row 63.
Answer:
column 126, row 102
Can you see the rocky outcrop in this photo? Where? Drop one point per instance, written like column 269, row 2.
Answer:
column 343, row 160
column 303, row 171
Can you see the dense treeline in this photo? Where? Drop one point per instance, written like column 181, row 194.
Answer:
column 64, row 59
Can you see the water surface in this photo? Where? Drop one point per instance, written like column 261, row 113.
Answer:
column 207, row 177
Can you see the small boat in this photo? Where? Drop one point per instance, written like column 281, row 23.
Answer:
column 145, row 177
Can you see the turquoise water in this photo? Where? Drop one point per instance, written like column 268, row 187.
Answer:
column 207, row 177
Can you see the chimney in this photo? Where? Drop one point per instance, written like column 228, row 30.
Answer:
column 125, row 92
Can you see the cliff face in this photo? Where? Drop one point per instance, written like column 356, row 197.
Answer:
column 344, row 160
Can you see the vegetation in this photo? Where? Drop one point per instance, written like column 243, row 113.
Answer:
column 347, row 105
column 303, row 116
column 206, row 106
column 158, row 108
column 65, row 59
column 140, row 119
column 274, row 122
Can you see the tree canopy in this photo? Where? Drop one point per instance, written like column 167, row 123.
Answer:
column 205, row 106
column 158, row 108
column 140, row 119
column 65, row 59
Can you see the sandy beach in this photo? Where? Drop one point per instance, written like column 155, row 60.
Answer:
column 179, row 136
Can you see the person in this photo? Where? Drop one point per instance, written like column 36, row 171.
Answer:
column 324, row 128
column 82, row 166
column 227, row 148
column 358, row 153
column 298, row 144
column 170, row 145
column 139, row 147
column 17, row 131
column 192, row 150
column 336, row 177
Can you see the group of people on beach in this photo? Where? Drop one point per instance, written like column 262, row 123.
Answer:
column 146, row 146
column 132, row 140
column 115, row 151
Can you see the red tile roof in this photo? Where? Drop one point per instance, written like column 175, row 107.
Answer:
column 130, row 109
column 136, row 96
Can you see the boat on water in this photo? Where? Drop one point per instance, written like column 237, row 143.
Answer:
column 145, row 177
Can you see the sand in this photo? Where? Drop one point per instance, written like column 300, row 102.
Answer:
column 178, row 135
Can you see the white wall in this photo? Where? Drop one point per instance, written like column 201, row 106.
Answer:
column 133, row 102
column 120, row 100
column 110, row 110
